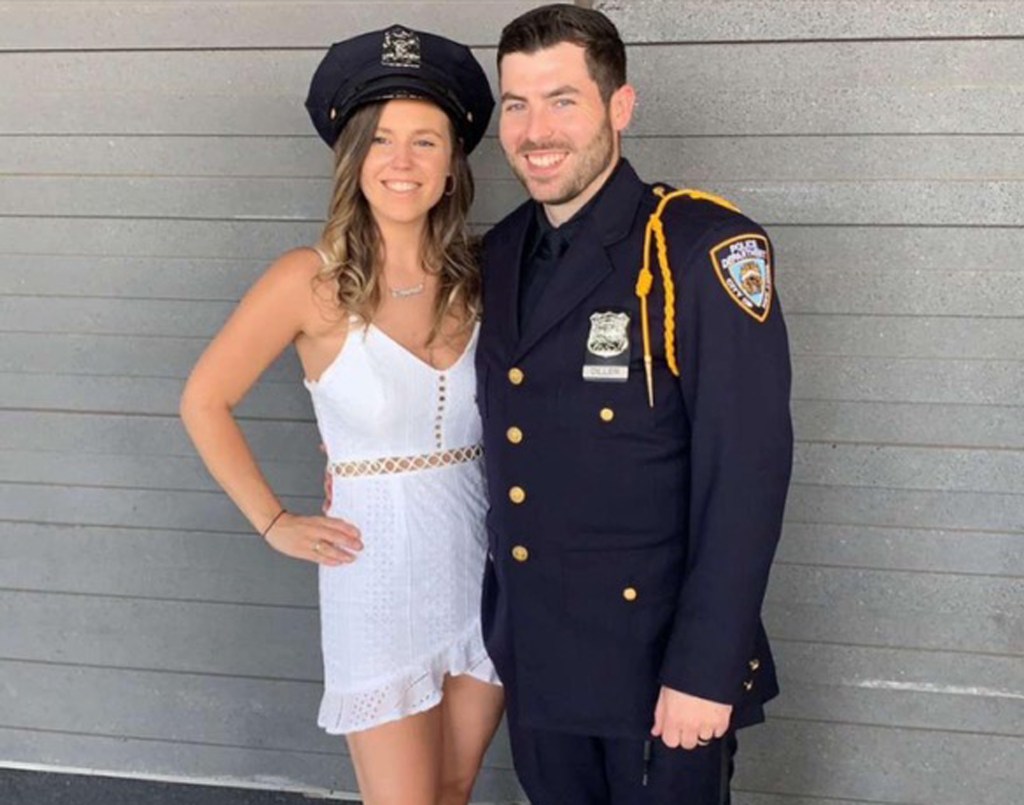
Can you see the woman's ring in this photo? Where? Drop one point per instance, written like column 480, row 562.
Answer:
column 318, row 546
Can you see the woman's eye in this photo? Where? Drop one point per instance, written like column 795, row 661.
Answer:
column 380, row 139
column 426, row 143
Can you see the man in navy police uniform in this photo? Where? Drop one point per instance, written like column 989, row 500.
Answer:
column 634, row 378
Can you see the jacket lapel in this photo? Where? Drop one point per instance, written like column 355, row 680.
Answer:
column 586, row 263
column 501, row 281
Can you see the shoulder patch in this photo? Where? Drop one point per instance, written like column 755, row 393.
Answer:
column 743, row 264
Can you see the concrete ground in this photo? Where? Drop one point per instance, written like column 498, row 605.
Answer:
column 19, row 787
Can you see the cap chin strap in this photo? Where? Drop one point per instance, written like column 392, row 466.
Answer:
column 645, row 281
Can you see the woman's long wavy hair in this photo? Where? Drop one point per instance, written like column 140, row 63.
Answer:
column 354, row 246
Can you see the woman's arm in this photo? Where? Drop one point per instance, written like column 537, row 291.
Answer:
column 276, row 309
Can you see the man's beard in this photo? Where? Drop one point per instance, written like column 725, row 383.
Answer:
column 594, row 158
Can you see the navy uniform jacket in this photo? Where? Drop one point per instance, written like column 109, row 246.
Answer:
column 629, row 547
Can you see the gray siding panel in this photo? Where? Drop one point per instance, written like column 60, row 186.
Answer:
column 910, row 423
column 896, row 508
column 179, row 565
column 89, row 235
column 275, row 199
column 202, row 638
column 873, row 764
column 661, row 21
column 909, row 380
column 141, row 193
column 238, row 568
column 262, row 199
column 987, row 553
column 156, row 437
column 90, row 25
column 904, row 688
column 925, row 94
column 142, row 395
column 71, row 467
column 700, row 160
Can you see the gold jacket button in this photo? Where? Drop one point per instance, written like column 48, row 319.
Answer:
column 517, row 494
column 754, row 664
column 514, row 435
column 520, row 554
column 516, row 376
column 629, row 594
column 748, row 685
column 607, row 415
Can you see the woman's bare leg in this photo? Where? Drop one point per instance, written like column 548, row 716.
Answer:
column 400, row 763
column 470, row 713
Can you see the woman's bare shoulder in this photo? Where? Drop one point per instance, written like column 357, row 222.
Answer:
column 294, row 270
column 296, row 275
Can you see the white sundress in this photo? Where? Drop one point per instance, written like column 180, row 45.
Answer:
column 403, row 446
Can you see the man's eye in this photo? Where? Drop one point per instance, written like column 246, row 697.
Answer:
column 514, row 107
column 563, row 102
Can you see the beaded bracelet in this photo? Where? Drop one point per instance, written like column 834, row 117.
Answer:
column 276, row 518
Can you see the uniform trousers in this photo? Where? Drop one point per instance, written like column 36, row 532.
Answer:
column 557, row 768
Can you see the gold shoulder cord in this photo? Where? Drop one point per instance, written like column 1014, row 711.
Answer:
column 645, row 281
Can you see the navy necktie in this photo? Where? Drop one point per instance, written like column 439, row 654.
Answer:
column 553, row 245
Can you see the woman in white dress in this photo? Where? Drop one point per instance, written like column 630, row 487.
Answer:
column 383, row 314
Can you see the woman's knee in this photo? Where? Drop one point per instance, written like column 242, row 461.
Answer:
column 456, row 790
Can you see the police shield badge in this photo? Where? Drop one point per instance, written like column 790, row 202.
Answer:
column 743, row 266
column 607, row 356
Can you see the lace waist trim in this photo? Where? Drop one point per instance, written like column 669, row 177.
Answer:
column 400, row 464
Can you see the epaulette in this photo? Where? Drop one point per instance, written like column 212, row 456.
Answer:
column 655, row 233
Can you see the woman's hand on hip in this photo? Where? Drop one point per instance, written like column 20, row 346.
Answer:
column 328, row 541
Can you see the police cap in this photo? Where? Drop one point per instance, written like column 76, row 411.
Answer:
column 398, row 62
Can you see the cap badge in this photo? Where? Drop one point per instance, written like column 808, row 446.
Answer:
column 401, row 48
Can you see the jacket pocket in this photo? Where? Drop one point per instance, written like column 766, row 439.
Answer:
column 627, row 592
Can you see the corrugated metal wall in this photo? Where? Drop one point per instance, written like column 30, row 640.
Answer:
column 155, row 155
column 881, row 143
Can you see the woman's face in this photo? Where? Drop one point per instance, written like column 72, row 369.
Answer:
column 405, row 170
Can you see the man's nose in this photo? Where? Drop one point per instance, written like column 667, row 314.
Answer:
column 538, row 126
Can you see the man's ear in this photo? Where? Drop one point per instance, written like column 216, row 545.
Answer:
column 620, row 107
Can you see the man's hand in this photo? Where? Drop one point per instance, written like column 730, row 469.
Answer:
column 686, row 721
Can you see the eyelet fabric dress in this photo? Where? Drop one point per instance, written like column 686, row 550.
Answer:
column 405, row 467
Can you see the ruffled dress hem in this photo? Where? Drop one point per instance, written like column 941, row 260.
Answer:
column 413, row 690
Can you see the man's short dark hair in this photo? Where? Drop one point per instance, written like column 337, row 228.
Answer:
column 551, row 25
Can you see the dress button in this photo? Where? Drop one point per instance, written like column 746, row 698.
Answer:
column 517, row 494
column 754, row 664
column 748, row 685
column 514, row 435
column 629, row 594
column 516, row 376
column 520, row 554
column 607, row 415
